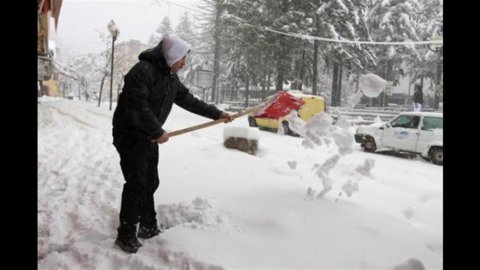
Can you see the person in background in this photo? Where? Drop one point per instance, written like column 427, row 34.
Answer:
column 417, row 98
column 150, row 90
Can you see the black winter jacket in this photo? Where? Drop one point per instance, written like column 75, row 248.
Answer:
column 148, row 96
column 418, row 97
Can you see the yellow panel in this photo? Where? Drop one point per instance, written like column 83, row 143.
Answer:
column 267, row 122
column 311, row 107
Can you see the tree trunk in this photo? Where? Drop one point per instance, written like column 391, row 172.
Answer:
column 101, row 88
column 268, row 83
column 255, row 84
column 302, row 68
column 407, row 99
column 247, row 89
column 279, row 82
column 339, row 90
column 216, row 56
column 222, row 92
column 264, row 82
column 236, row 91
column 315, row 71
column 389, row 76
column 357, row 83
column 334, row 85
column 438, row 76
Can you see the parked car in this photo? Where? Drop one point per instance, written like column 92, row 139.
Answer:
column 412, row 132
column 311, row 105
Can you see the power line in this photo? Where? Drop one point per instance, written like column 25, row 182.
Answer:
column 309, row 37
column 356, row 42
column 176, row 4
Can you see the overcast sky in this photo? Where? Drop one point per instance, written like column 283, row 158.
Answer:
column 136, row 19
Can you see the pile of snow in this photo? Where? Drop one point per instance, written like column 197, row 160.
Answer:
column 378, row 119
column 197, row 214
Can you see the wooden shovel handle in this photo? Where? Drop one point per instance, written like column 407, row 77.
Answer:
column 214, row 122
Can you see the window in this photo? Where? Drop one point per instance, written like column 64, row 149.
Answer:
column 430, row 123
column 406, row 121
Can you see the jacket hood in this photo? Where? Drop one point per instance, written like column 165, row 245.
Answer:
column 174, row 48
column 155, row 56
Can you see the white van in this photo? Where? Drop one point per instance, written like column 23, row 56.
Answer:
column 414, row 132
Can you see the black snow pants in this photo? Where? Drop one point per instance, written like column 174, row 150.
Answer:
column 139, row 161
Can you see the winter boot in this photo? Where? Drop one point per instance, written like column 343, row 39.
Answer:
column 148, row 230
column 127, row 239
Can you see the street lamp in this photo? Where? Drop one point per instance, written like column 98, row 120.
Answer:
column 112, row 28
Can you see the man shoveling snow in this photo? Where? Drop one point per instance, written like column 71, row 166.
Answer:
column 151, row 88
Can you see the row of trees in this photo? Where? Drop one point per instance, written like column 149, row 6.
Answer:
column 239, row 42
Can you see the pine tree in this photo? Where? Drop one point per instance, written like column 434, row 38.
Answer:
column 345, row 20
column 211, row 38
column 393, row 21
column 164, row 28
column 185, row 31
column 407, row 20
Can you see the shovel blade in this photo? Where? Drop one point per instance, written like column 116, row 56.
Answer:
column 281, row 104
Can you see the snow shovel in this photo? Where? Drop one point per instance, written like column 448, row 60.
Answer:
column 281, row 102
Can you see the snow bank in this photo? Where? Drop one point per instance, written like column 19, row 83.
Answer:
column 197, row 214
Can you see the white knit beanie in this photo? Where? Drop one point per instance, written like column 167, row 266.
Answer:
column 174, row 48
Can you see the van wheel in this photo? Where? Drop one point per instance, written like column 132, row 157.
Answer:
column 251, row 121
column 436, row 155
column 370, row 145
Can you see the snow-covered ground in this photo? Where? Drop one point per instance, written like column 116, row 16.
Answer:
column 317, row 203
